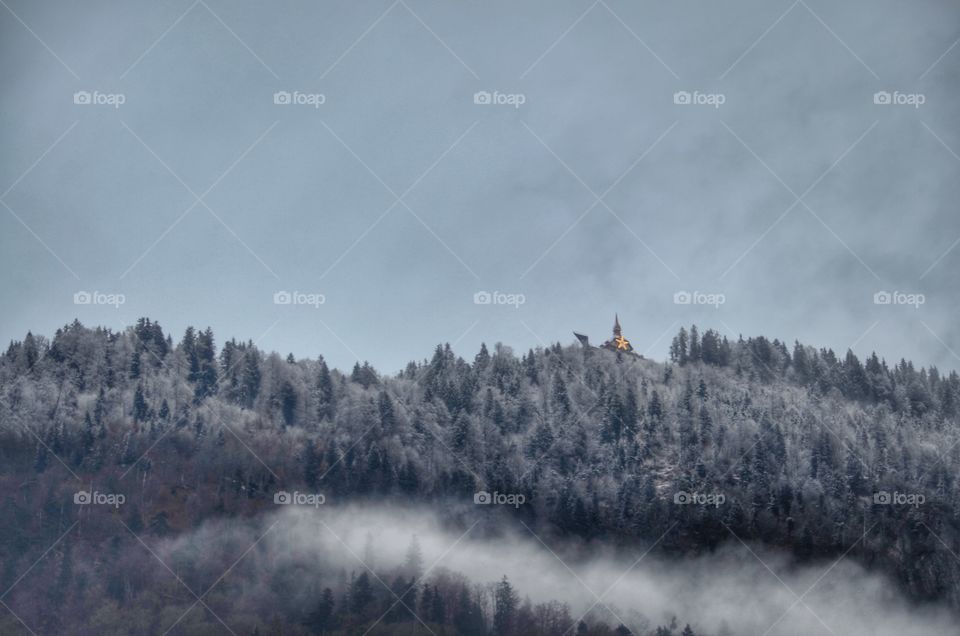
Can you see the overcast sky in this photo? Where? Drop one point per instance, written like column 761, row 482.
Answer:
column 398, row 198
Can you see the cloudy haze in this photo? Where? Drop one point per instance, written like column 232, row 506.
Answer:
column 749, row 590
column 399, row 198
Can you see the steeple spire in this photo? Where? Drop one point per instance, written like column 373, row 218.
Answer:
column 617, row 343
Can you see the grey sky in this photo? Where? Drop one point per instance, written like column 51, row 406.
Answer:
column 498, row 196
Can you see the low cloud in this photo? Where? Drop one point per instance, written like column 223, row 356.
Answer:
column 735, row 589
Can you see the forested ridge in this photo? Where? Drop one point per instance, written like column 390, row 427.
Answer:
column 802, row 444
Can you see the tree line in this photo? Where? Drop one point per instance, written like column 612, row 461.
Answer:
column 802, row 444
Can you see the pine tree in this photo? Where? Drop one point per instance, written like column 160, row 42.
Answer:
column 413, row 561
column 40, row 458
column 706, row 423
column 541, row 441
column 88, row 439
column 361, row 594
column 388, row 420
column 321, row 618
column 505, row 603
column 437, row 613
column 206, row 356
column 695, row 350
column 325, row 396
column 250, row 378
column 710, row 347
column 678, row 348
column 140, row 408
column 461, row 434
column 189, row 347
column 801, row 365
column 311, row 465
column 31, row 351
column 482, row 360
column 560, row 401
column 655, row 407
column 135, row 364
column 468, row 619
column 288, row 403
column 612, row 425
column 99, row 407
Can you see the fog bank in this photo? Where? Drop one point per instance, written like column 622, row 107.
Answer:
column 738, row 589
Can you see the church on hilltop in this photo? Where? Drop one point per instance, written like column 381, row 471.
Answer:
column 617, row 343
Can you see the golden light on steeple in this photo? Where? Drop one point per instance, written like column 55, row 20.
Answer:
column 618, row 342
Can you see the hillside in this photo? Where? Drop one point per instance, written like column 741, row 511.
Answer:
column 748, row 441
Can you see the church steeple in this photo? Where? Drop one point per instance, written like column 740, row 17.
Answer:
column 618, row 343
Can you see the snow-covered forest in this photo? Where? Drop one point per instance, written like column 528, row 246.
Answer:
column 742, row 441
